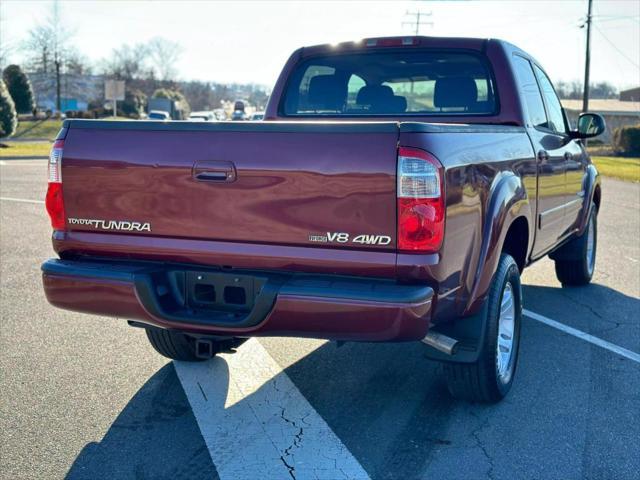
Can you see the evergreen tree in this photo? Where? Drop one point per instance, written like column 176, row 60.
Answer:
column 19, row 88
column 8, row 115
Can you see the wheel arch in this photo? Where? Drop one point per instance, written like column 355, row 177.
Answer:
column 597, row 195
column 506, row 227
column 592, row 194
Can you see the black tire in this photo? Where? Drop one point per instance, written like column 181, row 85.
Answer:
column 480, row 381
column 174, row 345
column 576, row 266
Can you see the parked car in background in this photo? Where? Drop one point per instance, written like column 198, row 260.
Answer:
column 158, row 115
column 255, row 116
column 202, row 117
column 395, row 192
column 173, row 108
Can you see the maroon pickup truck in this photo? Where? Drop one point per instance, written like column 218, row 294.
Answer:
column 395, row 192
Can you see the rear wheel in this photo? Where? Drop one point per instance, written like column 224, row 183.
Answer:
column 579, row 268
column 490, row 378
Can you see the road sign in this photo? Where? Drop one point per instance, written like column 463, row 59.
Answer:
column 114, row 89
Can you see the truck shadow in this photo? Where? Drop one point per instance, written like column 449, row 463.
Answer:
column 154, row 437
column 385, row 403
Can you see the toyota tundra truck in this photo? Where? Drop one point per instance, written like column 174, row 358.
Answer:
column 394, row 192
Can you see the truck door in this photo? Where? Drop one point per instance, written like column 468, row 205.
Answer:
column 572, row 153
column 549, row 148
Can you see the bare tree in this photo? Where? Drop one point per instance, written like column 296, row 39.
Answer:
column 574, row 89
column 38, row 49
column 164, row 55
column 5, row 53
column 7, row 47
column 77, row 64
column 47, row 45
column 128, row 63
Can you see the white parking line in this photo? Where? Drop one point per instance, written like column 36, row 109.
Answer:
column 21, row 200
column 584, row 336
column 256, row 423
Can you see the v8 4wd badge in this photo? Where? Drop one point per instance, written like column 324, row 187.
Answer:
column 343, row 237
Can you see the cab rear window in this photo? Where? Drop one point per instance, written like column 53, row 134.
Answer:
column 391, row 83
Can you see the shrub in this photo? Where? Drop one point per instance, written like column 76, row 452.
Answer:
column 19, row 88
column 164, row 93
column 134, row 103
column 626, row 140
column 8, row 115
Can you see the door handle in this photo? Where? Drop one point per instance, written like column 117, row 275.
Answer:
column 543, row 155
column 214, row 171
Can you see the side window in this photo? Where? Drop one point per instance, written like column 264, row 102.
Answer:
column 530, row 92
column 556, row 118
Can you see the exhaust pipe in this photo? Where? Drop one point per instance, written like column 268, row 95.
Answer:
column 441, row 342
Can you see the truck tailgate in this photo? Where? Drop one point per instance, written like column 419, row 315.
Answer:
column 280, row 183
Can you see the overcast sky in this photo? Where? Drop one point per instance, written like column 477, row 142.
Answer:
column 245, row 41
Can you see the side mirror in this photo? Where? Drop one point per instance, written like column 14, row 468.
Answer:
column 589, row 125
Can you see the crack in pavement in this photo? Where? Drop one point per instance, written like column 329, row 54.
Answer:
column 297, row 440
column 476, row 436
column 584, row 305
column 615, row 324
column 292, row 470
column 257, row 424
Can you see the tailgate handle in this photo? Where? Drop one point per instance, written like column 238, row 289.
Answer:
column 212, row 176
column 214, row 171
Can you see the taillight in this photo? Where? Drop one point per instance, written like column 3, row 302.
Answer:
column 54, row 201
column 420, row 201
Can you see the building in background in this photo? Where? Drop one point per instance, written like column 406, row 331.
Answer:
column 617, row 113
column 77, row 91
column 630, row 95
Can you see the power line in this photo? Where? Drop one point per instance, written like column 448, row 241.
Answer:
column 605, row 18
column 624, row 55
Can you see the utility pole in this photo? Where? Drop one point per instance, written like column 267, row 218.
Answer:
column 587, row 61
column 417, row 23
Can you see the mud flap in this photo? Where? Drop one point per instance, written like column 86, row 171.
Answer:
column 470, row 333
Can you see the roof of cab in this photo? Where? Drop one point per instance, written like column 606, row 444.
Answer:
column 403, row 41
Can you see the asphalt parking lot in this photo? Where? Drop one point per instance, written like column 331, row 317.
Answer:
column 86, row 397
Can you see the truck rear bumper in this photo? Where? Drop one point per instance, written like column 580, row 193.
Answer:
column 241, row 303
